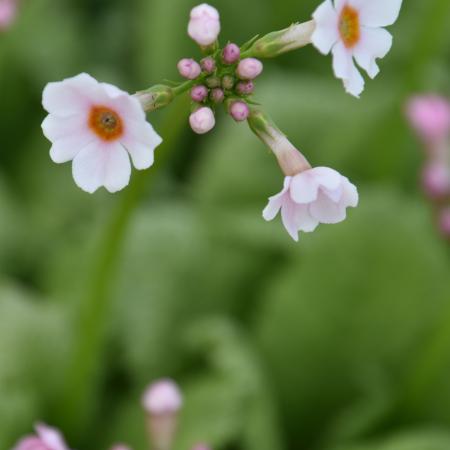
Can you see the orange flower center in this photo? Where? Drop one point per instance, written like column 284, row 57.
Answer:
column 105, row 123
column 349, row 28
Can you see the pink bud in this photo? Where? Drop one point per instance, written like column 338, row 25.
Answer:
column 202, row 120
column 217, row 95
column 239, row 111
column 231, row 54
column 204, row 26
column 430, row 116
column 189, row 68
column 162, row 397
column 249, row 69
column 444, row 222
column 245, row 87
column 436, row 180
column 208, row 64
column 199, row 93
column 8, row 11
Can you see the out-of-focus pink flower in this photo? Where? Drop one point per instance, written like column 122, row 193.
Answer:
column 46, row 438
column 189, row 68
column 436, row 180
column 120, row 447
column 162, row 397
column 201, row 447
column 202, row 121
column 249, row 69
column 444, row 222
column 204, row 25
column 8, row 12
column 430, row 116
column 318, row 195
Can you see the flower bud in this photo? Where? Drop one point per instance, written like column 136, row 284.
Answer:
column 430, row 116
column 204, row 25
column 217, row 95
column 189, row 68
column 208, row 64
column 245, row 87
column 202, row 121
column 213, row 82
column 228, row 82
column 239, row 111
column 444, row 222
column 156, row 97
column 436, row 180
column 199, row 93
column 231, row 54
column 249, row 68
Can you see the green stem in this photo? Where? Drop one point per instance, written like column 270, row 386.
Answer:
column 82, row 377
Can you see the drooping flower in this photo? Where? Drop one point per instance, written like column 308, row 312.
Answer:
column 204, row 25
column 318, row 195
column 99, row 127
column 46, row 438
column 353, row 30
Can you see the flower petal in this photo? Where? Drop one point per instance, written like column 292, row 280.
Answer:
column 354, row 85
column 350, row 197
column 326, row 33
column 304, row 187
column 288, row 217
column 303, row 219
column 342, row 61
column 141, row 154
column 276, row 202
column 55, row 127
column 326, row 211
column 66, row 149
column 379, row 13
column 117, row 168
column 88, row 167
column 52, row 438
column 326, row 177
column 375, row 43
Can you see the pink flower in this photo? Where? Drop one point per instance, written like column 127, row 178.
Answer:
column 8, row 12
column 202, row 121
column 162, row 397
column 204, row 26
column 430, row 116
column 318, row 195
column 46, row 438
column 189, row 68
column 249, row 69
column 436, row 179
column 352, row 29
column 99, row 127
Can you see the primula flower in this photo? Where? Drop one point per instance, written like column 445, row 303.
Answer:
column 46, row 438
column 318, row 195
column 99, row 127
column 352, row 29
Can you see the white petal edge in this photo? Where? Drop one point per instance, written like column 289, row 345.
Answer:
column 326, row 211
column 354, row 85
column 326, row 32
column 117, row 168
column 88, row 167
column 378, row 13
column 276, row 201
column 288, row 211
column 65, row 149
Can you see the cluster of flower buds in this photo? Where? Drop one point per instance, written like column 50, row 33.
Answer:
column 101, row 127
column 162, row 401
column 430, row 116
column 222, row 77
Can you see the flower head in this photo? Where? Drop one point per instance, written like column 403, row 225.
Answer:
column 353, row 30
column 430, row 116
column 8, row 11
column 204, row 25
column 162, row 397
column 318, row 195
column 99, row 127
column 202, row 121
column 46, row 438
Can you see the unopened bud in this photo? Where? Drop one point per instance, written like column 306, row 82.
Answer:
column 228, row 82
column 213, row 82
column 199, row 93
column 204, row 25
column 202, row 121
column 208, row 64
column 239, row 111
column 217, row 95
column 231, row 54
column 156, row 97
column 249, row 68
column 245, row 87
column 189, row 68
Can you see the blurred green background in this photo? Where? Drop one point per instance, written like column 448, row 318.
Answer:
column 340, row 342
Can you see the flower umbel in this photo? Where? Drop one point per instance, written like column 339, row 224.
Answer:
column 353, row 30
column 99, row 127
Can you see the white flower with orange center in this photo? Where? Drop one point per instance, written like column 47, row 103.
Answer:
column 99, row 127
column 352, row 30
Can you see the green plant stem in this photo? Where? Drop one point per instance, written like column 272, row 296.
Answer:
column 78, row 395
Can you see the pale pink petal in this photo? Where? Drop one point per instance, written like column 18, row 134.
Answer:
column 326, row 32
column 65, row 149
column 117, row 170
column 375, row 43
column 334, row 195
column 276, row 201
column 288, row 217
column 342, row 61
column 55, row 127
column 354, row 85
column 30, row 443
column 142, row 155
column 304, row 187
column 378, row 13
column 339, row 4
column 303, row 219
column 326, row 211
column 88, row 167
column 51, row 437
column 326, row 177
column 123, row 103
column 142, row 131
column 350, row 197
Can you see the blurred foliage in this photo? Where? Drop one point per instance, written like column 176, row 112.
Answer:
column 338, row 343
